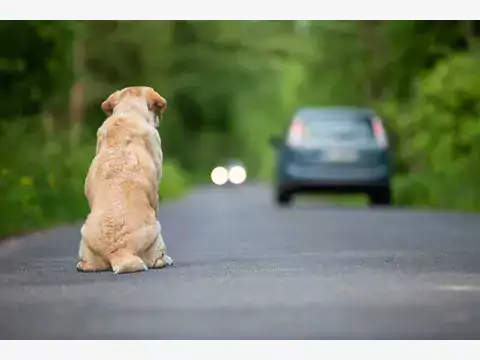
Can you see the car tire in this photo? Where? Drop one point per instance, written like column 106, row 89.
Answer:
column 283, row 198
column 381, row 196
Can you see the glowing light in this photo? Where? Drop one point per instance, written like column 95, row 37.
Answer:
column 219, row 175
column 237, row 175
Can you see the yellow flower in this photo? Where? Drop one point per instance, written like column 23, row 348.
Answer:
column 26, row 181
column 51, row 180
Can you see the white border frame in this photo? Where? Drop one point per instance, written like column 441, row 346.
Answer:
column 251, row 350
column 246, row 10
column 240, row 10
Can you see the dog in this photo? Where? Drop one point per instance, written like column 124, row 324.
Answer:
column 121, row 232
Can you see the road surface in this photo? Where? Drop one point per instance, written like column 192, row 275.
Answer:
column 247, row 270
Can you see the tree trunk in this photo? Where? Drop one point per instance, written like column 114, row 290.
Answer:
column 375, row 49
column 77, row 90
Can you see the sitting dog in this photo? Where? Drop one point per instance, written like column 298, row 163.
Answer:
column 121, row 232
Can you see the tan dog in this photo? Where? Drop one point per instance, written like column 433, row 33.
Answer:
column 122, row 232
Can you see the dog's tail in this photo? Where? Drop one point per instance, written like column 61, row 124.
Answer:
column 123, row 262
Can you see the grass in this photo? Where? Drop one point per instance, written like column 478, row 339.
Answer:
column 42, row 180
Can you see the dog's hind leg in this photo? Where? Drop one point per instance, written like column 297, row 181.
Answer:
column 155, row 255
column 123, row 262
column 161, row 258
column 89, row 262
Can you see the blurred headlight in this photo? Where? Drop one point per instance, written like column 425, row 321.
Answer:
column 219, row 175
column 237, row 175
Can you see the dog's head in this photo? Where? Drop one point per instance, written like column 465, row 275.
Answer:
column 155, row 103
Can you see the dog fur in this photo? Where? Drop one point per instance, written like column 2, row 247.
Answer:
column 122, row 232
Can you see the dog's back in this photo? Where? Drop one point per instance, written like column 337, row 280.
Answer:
column 122, row 232
column 121, row 186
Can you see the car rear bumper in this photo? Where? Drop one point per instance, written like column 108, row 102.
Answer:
column 331, row 187
column 347, row 179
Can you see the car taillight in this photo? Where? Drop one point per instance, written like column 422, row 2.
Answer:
column 296, row 133
column 379, row 132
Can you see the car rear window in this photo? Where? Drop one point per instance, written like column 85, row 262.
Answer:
column 343, row 128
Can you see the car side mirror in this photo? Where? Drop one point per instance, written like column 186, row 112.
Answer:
column 275, row 141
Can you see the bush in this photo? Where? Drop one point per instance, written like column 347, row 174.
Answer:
column 42, row 177
column 174, row 182
column 440, row 132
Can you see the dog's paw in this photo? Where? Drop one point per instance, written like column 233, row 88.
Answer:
column 168, row 260
column 162, row 262
column 83, row 266
column 79, row 266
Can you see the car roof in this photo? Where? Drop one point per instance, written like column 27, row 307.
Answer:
column 312, row 112
column 233, row 162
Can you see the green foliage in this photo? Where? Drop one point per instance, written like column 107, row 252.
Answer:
column 42, row 179
column 441, row 123
column 35, row 63
column 174, row 182
column 230, row 85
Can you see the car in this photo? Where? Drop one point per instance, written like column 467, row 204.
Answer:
column 333, row 150
column 231, row 172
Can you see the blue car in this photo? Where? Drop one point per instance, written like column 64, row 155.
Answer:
column 333, row 150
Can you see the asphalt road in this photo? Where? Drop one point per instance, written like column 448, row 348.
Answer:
column 247, row 270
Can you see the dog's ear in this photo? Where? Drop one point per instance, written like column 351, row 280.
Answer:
column 156, row 102
column 109, row 104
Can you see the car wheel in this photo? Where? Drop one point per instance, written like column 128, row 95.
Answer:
column 381, row 196
column 283, row 198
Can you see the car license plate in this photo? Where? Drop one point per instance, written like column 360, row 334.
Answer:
column 340, row 155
